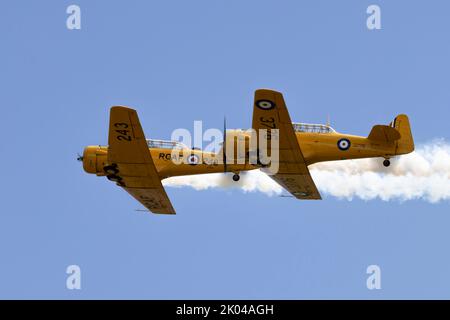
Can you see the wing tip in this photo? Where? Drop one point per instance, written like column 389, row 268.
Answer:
column 119, row 107
column 169, row 213
column 266, row 90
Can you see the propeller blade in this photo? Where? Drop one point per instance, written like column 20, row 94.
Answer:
column 224, row 144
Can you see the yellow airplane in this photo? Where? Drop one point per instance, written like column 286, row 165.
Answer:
column 138, row 165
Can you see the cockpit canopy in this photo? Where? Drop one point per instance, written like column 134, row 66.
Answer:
column 312, row 128
column 165, row 144
column 298, row 127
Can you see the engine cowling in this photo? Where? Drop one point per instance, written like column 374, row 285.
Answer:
column 95, row 158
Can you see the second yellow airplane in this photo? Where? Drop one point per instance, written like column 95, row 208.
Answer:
column 138, row 165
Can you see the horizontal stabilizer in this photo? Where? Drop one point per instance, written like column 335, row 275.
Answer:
column 384, row 134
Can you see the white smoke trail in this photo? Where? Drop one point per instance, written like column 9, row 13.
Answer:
column 423, row 174
column 250, row 181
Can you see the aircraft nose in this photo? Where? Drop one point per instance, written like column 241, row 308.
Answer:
column 94, row 159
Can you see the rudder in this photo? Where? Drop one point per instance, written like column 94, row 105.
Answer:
column 406, row 142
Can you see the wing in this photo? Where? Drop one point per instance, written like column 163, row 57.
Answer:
column 270, row 112
column 128, row 153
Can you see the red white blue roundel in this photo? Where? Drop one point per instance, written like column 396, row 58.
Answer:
column 344, row 144
column 265, row 104
column 193, row 159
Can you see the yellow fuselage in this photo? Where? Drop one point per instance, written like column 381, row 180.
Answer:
column 316, row 147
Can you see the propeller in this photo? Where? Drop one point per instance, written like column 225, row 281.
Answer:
column 224, row 144
column 79, row 157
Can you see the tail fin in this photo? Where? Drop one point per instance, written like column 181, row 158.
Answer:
column 406, row 142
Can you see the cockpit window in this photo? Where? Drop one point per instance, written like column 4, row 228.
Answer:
column 312, row 128
column 165, row 144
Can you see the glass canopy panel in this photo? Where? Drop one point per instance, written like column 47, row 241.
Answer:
column 165, row 144
column 312, row 128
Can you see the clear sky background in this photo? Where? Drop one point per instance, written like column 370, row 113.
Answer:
column 180, row 61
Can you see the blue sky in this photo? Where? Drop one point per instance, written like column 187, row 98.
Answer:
column 180, row 61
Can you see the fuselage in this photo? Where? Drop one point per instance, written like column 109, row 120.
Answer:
column 326, row 147
column 316, row 147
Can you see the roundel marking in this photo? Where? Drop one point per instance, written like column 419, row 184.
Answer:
column 344, row 144
column 193, row 159
column 265, row 104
